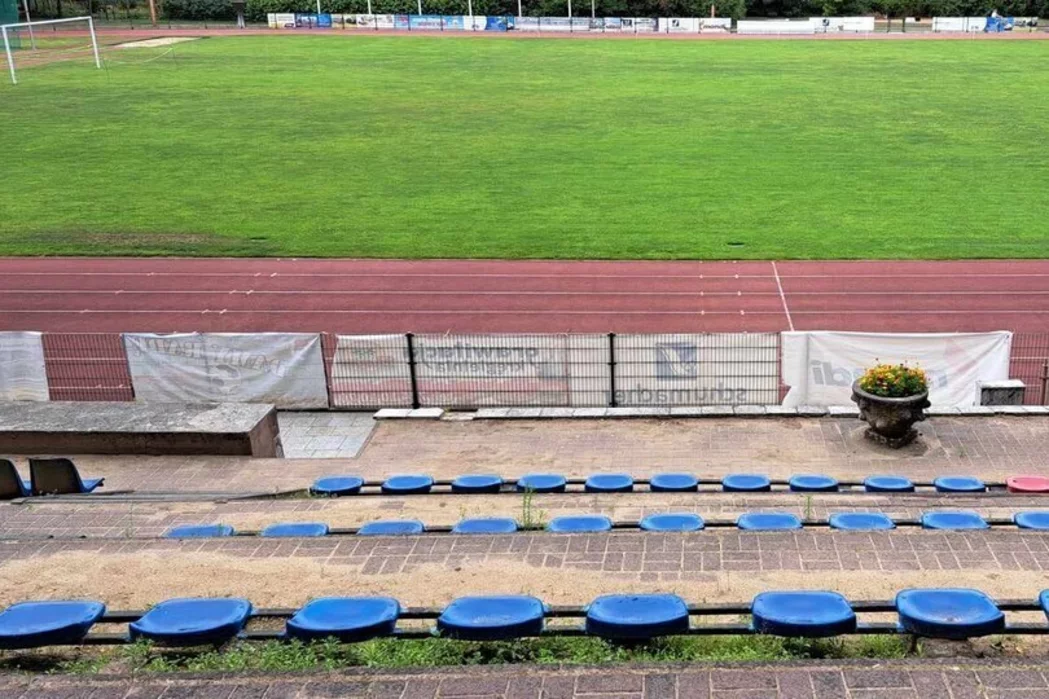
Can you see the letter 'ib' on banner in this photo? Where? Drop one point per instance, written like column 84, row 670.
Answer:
column 22, row 373
column 820, row 367
column 284, row 369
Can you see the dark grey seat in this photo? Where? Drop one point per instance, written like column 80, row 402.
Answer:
column 59, row 476
column 11, row 484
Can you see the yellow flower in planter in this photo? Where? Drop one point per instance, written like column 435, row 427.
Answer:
column 894, row 381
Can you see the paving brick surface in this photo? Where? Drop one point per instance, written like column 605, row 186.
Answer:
column 992, row 447
column 633, row 555
column 984, row 679
column 324, row 435
column 99, row 518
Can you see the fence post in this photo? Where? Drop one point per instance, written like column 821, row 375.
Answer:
column 1045, row 383
column 411, row 369
column 612, row 369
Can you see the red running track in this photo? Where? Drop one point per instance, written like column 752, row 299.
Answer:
column 372, row 296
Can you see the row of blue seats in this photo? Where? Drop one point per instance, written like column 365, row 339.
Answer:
column 938, row 613
column 419, row 484
column 668, row 522
column 48, row 476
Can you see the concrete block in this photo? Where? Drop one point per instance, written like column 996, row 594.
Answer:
column 749, row 411
column 843, row 411
column 780, row 411
column 812, row 411
column 492, row 413
column 426, row 414
column 589, row 412
column 392, row 413
column 718, row 411
column 523, row 413
column 1007, row 392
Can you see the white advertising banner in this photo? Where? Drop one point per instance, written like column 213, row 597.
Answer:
column 555, row 24
column 959, row 24
column 715, row 24
column 509, row 370
column 22, row 372
column 526, row 24
column 820, row 367
column 697, row 369
column 375, row 21
column 837, row 25
column 679, row 25
column 284, row 369
column 774, row 26
column 371, row 371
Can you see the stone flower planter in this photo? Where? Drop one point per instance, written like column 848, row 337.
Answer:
column 890, row 420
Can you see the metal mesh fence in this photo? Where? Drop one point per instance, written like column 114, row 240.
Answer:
column 368, row 371
column 1029, row 362
column 697, row 369
column 460, row 371
column 87, row 367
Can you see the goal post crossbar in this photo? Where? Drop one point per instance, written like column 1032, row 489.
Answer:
column 5, row 30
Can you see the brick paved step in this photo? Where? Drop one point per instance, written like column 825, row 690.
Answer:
column 992, row 448
column 901, row 679
column 717, row 565
column 121, row 520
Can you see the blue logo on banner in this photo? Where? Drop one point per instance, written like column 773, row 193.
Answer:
column 495, row 24
column 324, row 21
column 453, row 22
column 401, row 22
column 676, row 361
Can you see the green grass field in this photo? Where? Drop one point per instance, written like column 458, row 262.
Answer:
column 474, row 147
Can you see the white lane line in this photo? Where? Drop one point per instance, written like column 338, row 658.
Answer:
column 783, row 297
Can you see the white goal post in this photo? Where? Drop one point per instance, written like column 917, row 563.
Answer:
column 7, row 29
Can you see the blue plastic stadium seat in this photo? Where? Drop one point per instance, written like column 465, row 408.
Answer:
column 296, row 529
column 673, row 483
column 768, row 521
column 485, row 525
column 1043, row 601
column 477, row 484
column 11, row 484
column 861, row 521
column 198, row 531
column 888, row 484
column 36, row 624
column 953, row 519
column 959, row 484
column 337, row 485
column 413, row 484
column 579, row 523
column 802, row 614
column 542, row 483
column 672, row 522
column 609, row 483
column 1037, row 519
column 348, row 619
column 493, row 618
column 392, row 527
column 745, row 482
column 193, row 621
column 636, row 616
column 948, row 613
column 813, row 483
